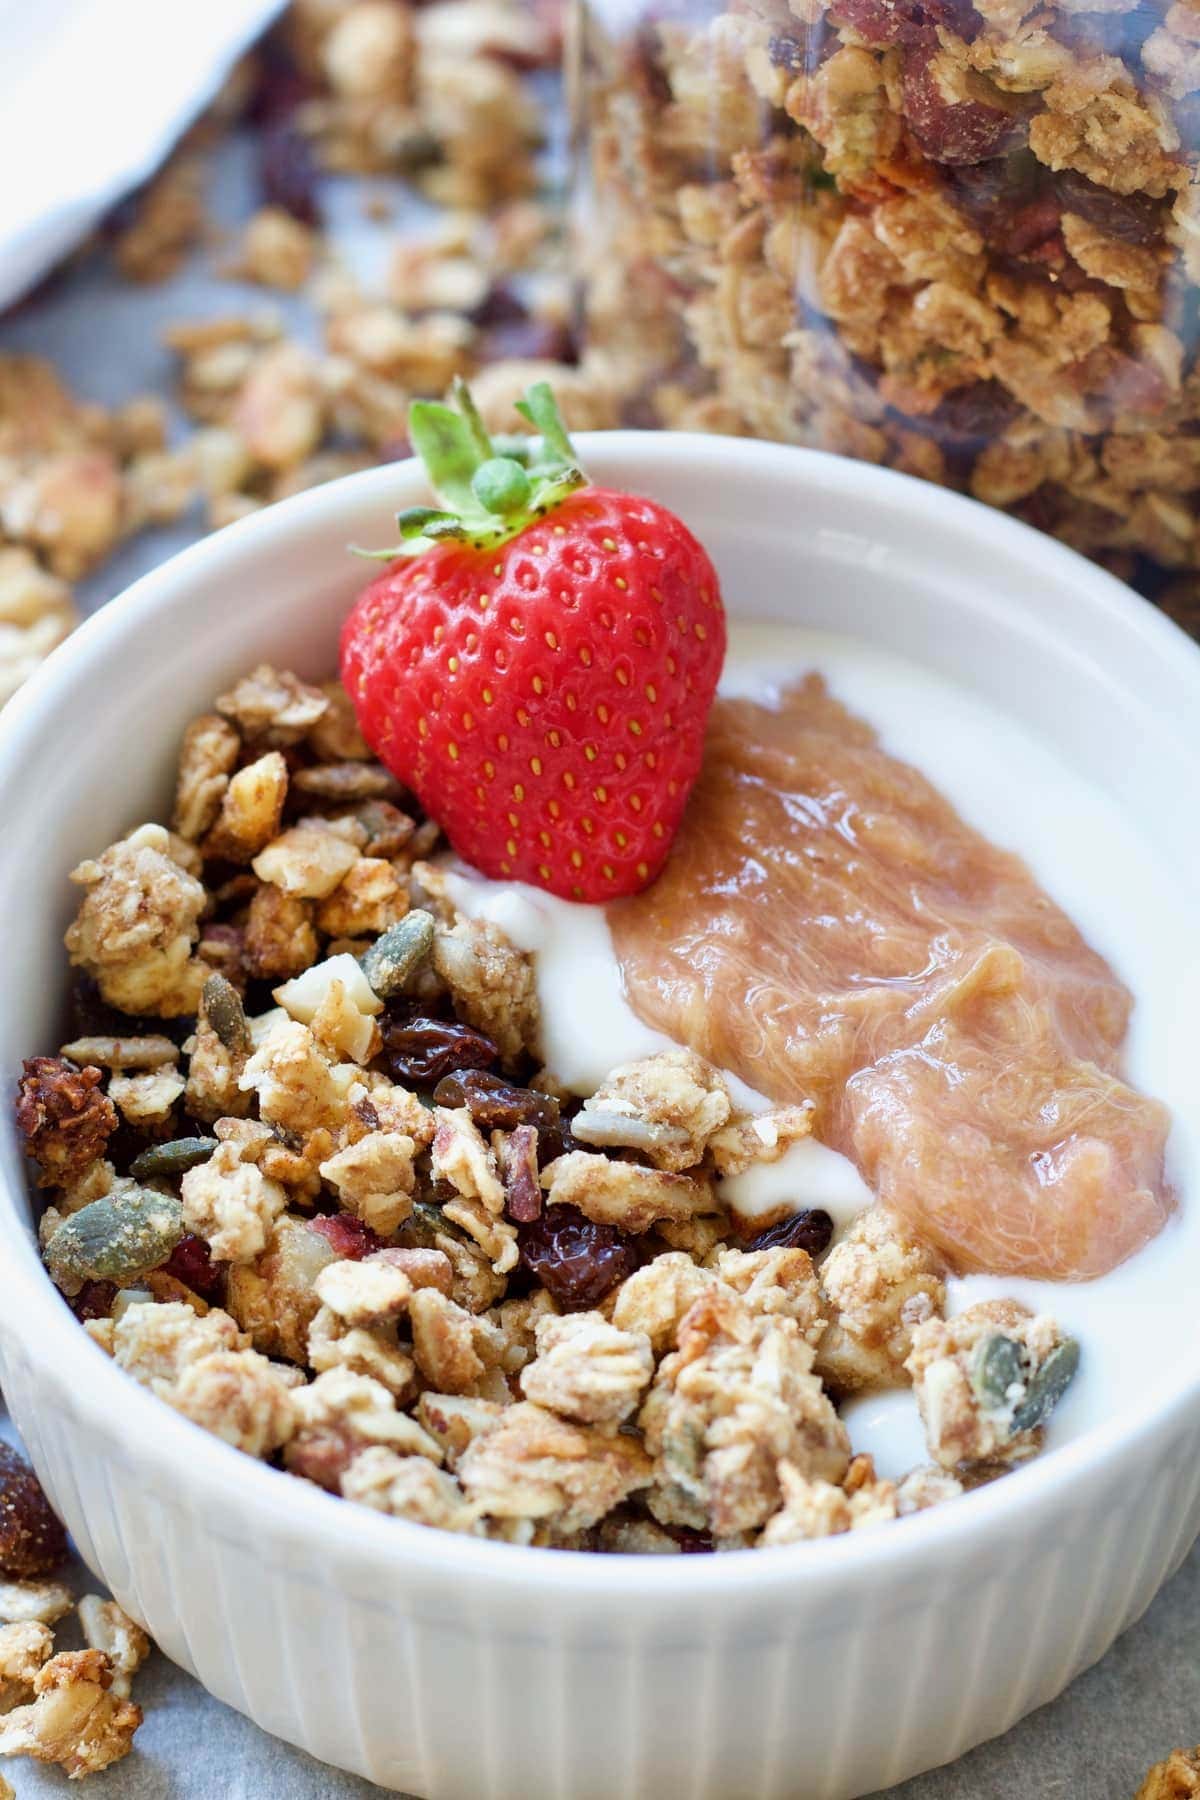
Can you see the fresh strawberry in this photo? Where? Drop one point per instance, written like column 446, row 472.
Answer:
column 538, row 664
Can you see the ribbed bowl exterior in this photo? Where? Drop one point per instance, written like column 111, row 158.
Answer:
column 453, row 1668
column 817, row 1696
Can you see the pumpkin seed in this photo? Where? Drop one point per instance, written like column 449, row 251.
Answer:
column 397, row 955
column 222, row 1007
column 175, row 1158
column 1047, row 1386
column 114, row 1239
column 998, row 1365
column 151, row 1052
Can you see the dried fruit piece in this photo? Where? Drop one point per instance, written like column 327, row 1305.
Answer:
column 811, row 1230
column 495, row 1104
column 577, row 1261
column 115, row 1239
column 422, row 1050
column 347, row 1235
column 969, row 130
column 32, row 1540
column 191, row 1261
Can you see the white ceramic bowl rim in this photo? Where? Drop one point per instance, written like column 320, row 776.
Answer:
column 291, row 1507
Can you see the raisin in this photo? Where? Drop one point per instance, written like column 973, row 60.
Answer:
column 537, row 340
column 346, row 1235
column 32, row 1541
column 287, row 172
column 499, row 306
column 693, row 1543
column 576, row 1260
column 964, row 131
column 494, row 1104
column 1130, row 218
column 191, row 1262
column 809, row 1230
column 970, row 417
column 423, row 1050
column 94, row 1300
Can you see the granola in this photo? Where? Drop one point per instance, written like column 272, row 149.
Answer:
column 350, row 1222
column 958, row 240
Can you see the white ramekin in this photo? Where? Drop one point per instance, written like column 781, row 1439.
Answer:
column 450, row 1667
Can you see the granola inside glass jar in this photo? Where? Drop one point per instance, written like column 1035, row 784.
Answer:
column 959, row 240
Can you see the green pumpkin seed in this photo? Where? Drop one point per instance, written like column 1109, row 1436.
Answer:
column 114, row 1239
column 175, row 1158
column 221, row 1005
column 1047, row 1386
column 998, row 1363
column 397, row 955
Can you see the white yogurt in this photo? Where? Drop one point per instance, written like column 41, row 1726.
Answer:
column 1087, row 854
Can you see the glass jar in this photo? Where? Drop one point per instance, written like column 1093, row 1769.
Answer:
column 960, row 240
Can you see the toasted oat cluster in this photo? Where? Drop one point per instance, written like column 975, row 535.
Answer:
column 957, row 239
column 308, row 1182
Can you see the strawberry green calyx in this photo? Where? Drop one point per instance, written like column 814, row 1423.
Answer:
column 486, row 492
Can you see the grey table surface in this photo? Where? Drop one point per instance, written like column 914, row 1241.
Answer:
column 1094, row 1743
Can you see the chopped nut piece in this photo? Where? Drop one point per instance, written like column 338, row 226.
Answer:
column 456, row 1420
column 460, row 1156
column 108, row 1628
column 306, row 863
column 250, row 810
column 33, row 1602
column 587, row 1369
column 280, row 938
column 369, row 899
column 624, row 1194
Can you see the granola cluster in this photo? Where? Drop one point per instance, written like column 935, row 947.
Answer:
column 70, row 1707
column 956, row 239
column 309, row 1183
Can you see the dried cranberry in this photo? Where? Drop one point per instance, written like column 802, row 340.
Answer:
column 346, row 1235
column 964, row 131
column 192, row 1263
column 494, row 1104
column 94, row 1300
column 906, row 21
column 32, row 1541
column 287, row 172
column 423, row 1050
column 1131, row 218
column 809, row 1230
column 576, row 1260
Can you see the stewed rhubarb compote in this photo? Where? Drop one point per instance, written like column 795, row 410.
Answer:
column 828, row 928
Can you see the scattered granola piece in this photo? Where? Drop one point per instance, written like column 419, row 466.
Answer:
column 1176, row 1778
column 74, row 1719
column 296, row 1087
column 23, row 1650
column 761, row 1138
column 238, row 1396
column 250, row 810
column 655, row 1297
column 277, row 250
column 453, row 1347
column 280, row 937
column 306, row 862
